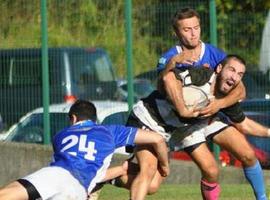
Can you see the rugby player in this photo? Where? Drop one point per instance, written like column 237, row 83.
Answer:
column 82, row 154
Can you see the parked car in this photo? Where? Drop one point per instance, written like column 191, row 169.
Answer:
column 74, row 72
column 30, row 127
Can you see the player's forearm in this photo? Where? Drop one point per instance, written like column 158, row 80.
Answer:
column 161, row 150
column 236, row 95
column 159, row 145
column 251, row 127
column 173, row 89
column 114, row 172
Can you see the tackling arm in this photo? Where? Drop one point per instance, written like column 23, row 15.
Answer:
column 158, row 143
column 116, row 171
column 236, row 95
column 172, row 87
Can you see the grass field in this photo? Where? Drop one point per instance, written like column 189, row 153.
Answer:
column 184, row 192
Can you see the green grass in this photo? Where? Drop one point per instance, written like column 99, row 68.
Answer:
column 178, row 192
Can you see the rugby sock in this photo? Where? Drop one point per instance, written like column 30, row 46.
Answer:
column 210, row 191
column 254, row 175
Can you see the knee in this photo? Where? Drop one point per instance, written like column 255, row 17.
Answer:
column 211, row 173
column 155, row 184
column 248, row 159
column 153, row 188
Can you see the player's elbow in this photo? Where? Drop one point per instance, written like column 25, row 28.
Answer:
column 167, row 78
column 242, row 93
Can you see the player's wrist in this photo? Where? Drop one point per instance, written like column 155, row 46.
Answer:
column 268, row 132
column 221, row 103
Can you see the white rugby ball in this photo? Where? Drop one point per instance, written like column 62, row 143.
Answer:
column 195, row 97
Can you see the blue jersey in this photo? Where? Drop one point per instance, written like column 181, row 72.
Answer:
column 85, row 149
column 209, row 55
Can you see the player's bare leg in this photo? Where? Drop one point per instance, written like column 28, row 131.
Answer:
column 155, row 183
column 235, row 142
column 13, row 191
column 125, row 181
column 206, row 162
column 148, row 167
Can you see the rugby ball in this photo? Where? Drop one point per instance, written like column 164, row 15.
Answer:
column 195, row 97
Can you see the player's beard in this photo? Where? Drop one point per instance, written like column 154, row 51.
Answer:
column 222, row 86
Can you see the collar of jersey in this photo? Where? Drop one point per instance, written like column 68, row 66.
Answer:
column 85, row 123
column 179, row 49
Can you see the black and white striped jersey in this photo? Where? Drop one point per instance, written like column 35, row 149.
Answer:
column 155, row 112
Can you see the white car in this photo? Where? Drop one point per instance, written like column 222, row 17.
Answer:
column 29, row 129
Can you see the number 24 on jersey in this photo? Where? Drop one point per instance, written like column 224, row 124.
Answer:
column 84, row 146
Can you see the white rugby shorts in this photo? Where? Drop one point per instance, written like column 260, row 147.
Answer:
column 199, row 134
column 56, row 183
column 187, row 135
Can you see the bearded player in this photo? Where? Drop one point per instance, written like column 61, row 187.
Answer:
column 156, row 113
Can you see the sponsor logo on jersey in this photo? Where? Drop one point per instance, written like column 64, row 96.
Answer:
column 162, row 60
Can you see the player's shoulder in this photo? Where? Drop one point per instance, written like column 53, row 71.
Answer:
column 214, row 50
column 169, row 53
column 165, row 57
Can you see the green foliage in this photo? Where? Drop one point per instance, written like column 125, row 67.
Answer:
column 101, row 23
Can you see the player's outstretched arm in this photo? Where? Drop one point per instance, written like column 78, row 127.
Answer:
column 251, row 127
column 116, row 171
column 159, row 144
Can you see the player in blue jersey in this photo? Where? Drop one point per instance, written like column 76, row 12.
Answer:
column 82, row 154
column 191, row 51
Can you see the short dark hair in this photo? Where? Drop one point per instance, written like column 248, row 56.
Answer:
column 233, row 56
column 83, row 110
column 183, row 13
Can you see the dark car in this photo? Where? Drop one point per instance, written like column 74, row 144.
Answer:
column 74, row 72
column 142, row 88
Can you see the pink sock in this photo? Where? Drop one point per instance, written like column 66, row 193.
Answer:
column 210, row 191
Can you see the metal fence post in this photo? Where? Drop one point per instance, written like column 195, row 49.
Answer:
column 45, row 72
column 128, row 27
column 213, row 40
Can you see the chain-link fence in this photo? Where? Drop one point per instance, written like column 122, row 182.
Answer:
column 87, row 50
